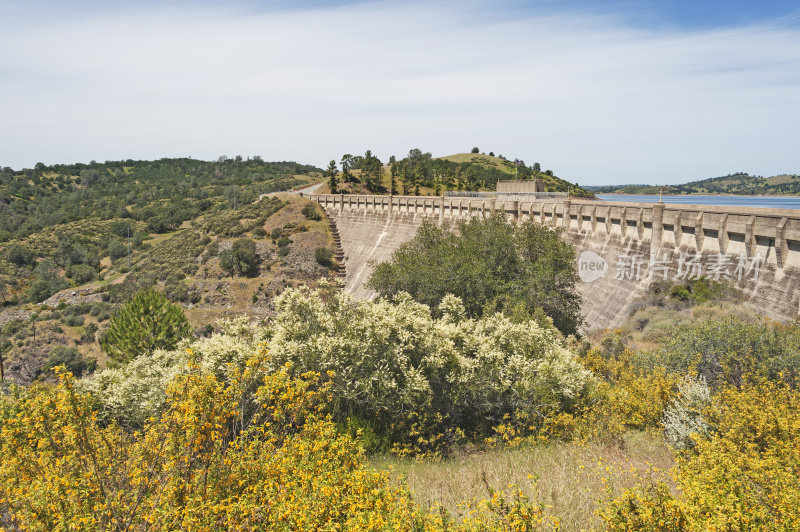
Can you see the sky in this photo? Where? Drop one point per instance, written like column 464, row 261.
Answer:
column 612, row 92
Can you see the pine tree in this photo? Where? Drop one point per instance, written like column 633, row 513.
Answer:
column 145, row 323
column 331, row 173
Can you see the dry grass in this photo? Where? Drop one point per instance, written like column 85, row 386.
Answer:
column 567, row 477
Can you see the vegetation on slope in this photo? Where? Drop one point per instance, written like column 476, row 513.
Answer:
column 738, row 183
column 223, row 263
column 420, row 173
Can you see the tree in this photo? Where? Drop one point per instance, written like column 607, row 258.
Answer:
column 347, row 177
column 20, row 255
column 241, row 259
column 476, row 150
column 537, row 168
column 372, row 171
column 492, row 266
column 117, row 249
column 146, row 323
column 331, row 174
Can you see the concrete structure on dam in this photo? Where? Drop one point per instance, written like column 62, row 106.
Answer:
column 622, row 247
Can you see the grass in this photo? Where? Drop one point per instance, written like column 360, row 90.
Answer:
column 569, row 478
column 483, row 160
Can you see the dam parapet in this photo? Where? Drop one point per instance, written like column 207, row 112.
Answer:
column 756, row 249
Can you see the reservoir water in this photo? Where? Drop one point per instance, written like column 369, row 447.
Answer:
column 773, row 202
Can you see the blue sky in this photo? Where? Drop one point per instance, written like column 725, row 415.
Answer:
column 600, row 92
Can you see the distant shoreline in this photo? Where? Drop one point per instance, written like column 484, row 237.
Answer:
column 698, row 195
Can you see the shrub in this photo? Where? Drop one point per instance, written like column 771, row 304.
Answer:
column 731, row 351
column 241, row 259
column 71, row 359
column 81, row 273
column 88, row 335
column 683, row 418
column 199, row 466
column 420, row 384
column 117, row 249
column 41, row 289
column 741, row 476
column 311, row 212
column 73, row 320
column 146, row 323
column 276, row 233
column 323, row 256
column 394, row 364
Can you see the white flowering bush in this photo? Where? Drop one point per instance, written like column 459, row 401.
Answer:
column 132, row 393
column 683, row 418
column 392, row 368
column 391, row 363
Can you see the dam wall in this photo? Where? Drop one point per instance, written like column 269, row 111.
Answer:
column 622, row 247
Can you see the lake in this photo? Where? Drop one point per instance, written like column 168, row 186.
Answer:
column 774, row 202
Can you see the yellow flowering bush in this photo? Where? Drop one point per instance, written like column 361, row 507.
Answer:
column 219, row 457
column 254, row 451
column 742, row 476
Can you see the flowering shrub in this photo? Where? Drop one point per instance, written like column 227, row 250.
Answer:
column 741, row 476
column 218, row 457
column 421, row 381
column 398, row 377
column 252, row 452
column 684, row 416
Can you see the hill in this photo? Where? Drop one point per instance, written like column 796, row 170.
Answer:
column 419, row 173
column 78, row 240
column 734, row 184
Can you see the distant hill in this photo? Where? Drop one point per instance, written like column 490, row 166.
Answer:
column 734, row 184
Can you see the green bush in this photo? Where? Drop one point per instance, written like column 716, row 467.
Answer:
column 731, row 351
column 117, row 249
column 491, row 265
column 73, row 321
column 146, row 323
column 241, row 259
column 81, row 273
column 71, row 359
column 311, row 212
column 323, row 256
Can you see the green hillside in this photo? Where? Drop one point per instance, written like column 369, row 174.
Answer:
column 739, row 183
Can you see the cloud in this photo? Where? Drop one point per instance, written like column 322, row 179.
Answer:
column 590, row 96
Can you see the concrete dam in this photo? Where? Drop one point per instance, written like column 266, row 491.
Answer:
column 622, row 248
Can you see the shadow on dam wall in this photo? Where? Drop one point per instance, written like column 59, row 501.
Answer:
column 621, row 247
